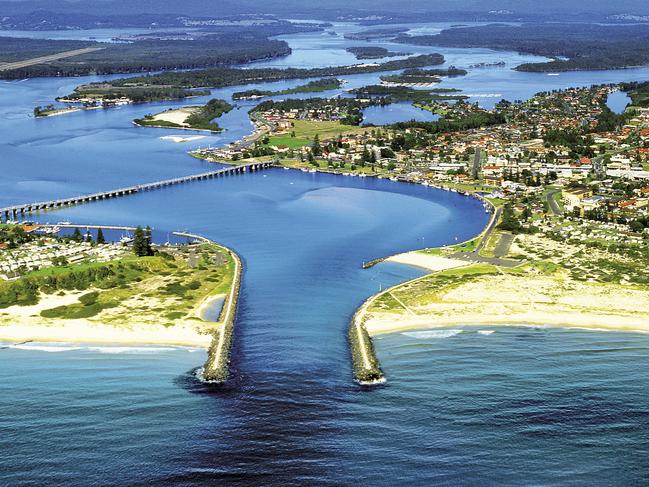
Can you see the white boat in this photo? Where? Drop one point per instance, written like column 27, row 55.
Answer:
column 126, row 239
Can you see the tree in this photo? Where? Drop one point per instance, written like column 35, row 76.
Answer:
column 366, row 155
column 139, row 242
column 527, row 213
column 142, row 242
column 148, row 240
column 316, row 149
column 509, row 221
column 100, row 237
column 636, row 226
column 76, row 236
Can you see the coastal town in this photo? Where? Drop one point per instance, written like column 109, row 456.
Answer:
column 29, row 247
column 565, row 179
column 558, row 153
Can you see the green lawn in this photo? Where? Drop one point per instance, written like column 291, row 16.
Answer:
column 288, row 141
column 307, row 129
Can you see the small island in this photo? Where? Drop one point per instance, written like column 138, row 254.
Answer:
column 419, row 77
column 189, row 118
column 397, row 93
column 179, row 85
column 373, row 52
column 51, row 111
column 324, row 84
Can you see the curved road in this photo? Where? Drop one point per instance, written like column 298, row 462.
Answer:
column 554, row 207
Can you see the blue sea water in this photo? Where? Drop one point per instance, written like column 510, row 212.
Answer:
column 470, row 406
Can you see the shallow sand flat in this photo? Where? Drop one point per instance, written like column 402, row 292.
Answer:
column 433, row 263
column 180, row 139
column 203, row 308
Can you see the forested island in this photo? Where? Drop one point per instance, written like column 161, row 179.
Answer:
column 197, row 118
column 422, row 76
column 178, row 85
column 324, row 84
column 375, row 34
column 141, row 56
column 390, row 94
column 106, row 95
column 572, row 46
column 218, row 45
column 372, row 52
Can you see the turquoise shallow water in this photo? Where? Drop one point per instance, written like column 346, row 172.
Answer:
column 518, row 406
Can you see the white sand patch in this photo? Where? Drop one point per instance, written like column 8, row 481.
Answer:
column 508, row 299
column 433, row 263
column 180, row 139
column 46, row 301
column 177, row 116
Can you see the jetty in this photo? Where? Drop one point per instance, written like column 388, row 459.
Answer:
column 12, row 212
column 217, row 365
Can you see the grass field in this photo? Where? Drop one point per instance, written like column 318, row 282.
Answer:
column 288, row 141
column 306, row 130
column 430, row 289
column 468, row 246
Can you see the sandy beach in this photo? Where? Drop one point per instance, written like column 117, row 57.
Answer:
column 177, row 116
column 23, row 323
column 83, row 331
column 517, row 300
column 433, row 263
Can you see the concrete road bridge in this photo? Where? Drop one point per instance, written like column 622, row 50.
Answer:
column 12, row 212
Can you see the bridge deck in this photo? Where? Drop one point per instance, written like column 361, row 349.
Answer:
column 13, row 211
